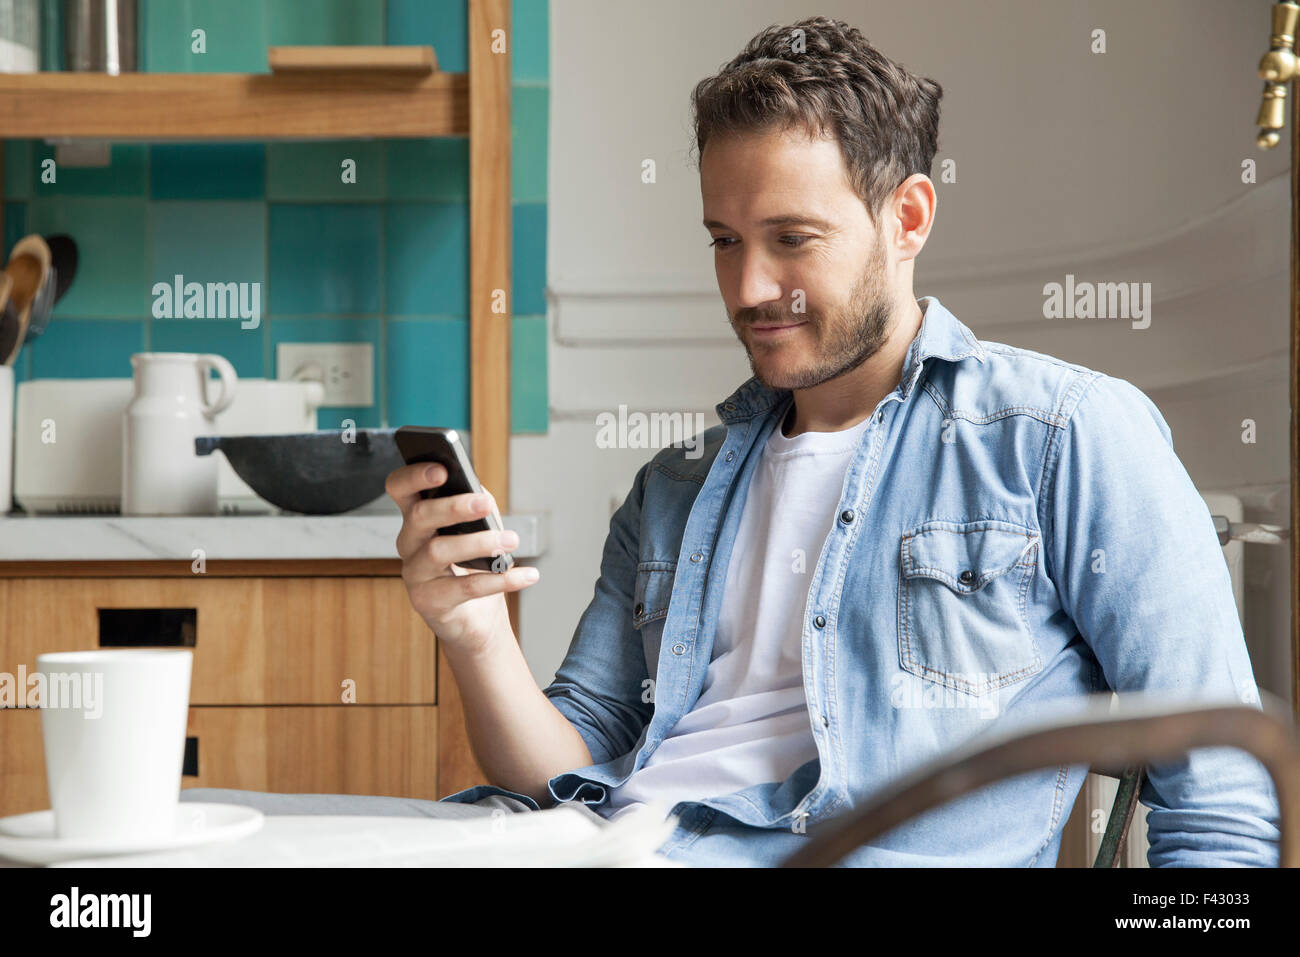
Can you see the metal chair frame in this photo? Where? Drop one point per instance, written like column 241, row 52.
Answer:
column 1121, row 815
column 1130, row 738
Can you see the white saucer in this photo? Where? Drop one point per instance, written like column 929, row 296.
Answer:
column 29, row 838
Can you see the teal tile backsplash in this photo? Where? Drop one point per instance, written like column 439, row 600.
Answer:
column 528, row 258
column 15, row 223
column 427, row 260
column 350, row 171
column 440, row 23
column 530, row 24
column 112, row 237
column 432, row 169
column 337, row 22
column 382, row 260
column 325, row 259
column 126, row 176
column 208, row 242
column 422, row 386
column 86, row 348
column 207, row 171
column 530, row 118
column 245, row 348
column 234, row 36
column 18, row 169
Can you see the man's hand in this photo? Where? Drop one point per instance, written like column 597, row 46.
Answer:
column 465, row 608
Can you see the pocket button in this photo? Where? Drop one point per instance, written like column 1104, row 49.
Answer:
column 961, row 617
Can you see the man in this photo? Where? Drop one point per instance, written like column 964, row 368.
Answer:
column 898, row 537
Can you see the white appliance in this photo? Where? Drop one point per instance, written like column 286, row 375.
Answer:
column 1099, row 791
column 20, row 36
column 68, row 440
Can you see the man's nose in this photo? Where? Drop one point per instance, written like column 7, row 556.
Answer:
column 759, row 285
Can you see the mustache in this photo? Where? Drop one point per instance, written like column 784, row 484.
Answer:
column 766, row 320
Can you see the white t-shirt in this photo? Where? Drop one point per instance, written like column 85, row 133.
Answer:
column 751, row 724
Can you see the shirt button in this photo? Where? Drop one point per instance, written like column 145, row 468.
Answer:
column 966, row 577
column 825, row 720
column 638, row 609
column 819, row 621
column 679, row 649
column 730, row 456
column 730, row 407
column 696, row 557
column 880, row 416
column 846, row 516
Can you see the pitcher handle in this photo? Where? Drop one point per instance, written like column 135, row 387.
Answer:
column 228, row 382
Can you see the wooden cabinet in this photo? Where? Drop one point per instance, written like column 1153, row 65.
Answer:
column 301, row 684
column 357, row 749
column 264, row 641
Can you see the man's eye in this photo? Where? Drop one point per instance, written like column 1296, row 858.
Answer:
column 799, row 241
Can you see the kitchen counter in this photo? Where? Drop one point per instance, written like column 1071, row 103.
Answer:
column 353, row 535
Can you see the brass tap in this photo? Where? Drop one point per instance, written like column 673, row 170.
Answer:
column 1277, row 69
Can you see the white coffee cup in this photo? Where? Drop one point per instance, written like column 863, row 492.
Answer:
column 114, row 727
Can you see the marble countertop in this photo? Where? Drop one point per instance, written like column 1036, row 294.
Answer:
column 359, row 534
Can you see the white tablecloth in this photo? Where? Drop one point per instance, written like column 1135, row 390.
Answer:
column 554, row 837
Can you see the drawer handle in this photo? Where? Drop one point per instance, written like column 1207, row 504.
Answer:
column 148, row 627
column 190, row 767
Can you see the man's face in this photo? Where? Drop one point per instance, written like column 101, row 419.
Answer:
column 831, row 277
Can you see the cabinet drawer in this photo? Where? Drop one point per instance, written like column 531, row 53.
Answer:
column 339, row 749
column 258, row 641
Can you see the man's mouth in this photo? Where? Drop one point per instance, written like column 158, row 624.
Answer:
column 770, row 330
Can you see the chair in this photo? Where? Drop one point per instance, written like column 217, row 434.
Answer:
column 1128, row 738
column 1131, row 780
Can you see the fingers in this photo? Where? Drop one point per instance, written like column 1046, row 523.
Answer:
column 404, row 484
column 425, row 516
column 441, row 551
column 439, row 595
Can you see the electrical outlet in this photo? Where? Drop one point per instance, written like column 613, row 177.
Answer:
column 344, row 368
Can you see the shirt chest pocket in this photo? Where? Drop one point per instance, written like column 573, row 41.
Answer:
column 961, row 604
column 650, row 600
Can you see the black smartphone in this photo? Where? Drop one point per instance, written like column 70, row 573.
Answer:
column 419, row 443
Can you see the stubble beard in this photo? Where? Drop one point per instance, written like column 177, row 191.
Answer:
column 843, row 341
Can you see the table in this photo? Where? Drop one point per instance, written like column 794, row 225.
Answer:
column 552, row 837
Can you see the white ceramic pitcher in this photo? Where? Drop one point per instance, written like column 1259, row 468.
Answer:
column 161, row 474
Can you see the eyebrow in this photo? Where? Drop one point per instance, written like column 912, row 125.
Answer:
column 785, row 219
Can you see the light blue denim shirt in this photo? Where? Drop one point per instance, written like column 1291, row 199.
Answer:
column 1014, row 532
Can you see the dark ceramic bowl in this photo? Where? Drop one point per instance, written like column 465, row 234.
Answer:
column 315, row 473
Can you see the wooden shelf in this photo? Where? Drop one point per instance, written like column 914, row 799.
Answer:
column 299, row 104
column 409, row 59
column 339, row 97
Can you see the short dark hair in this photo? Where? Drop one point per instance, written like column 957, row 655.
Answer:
column 885, row 119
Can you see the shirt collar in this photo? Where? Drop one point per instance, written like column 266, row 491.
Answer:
column 942, row 336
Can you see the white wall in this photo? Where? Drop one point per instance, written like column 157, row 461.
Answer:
column 1123, row 166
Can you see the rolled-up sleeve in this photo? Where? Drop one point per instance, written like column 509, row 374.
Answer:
column 601, row 682
column 1132, row 549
